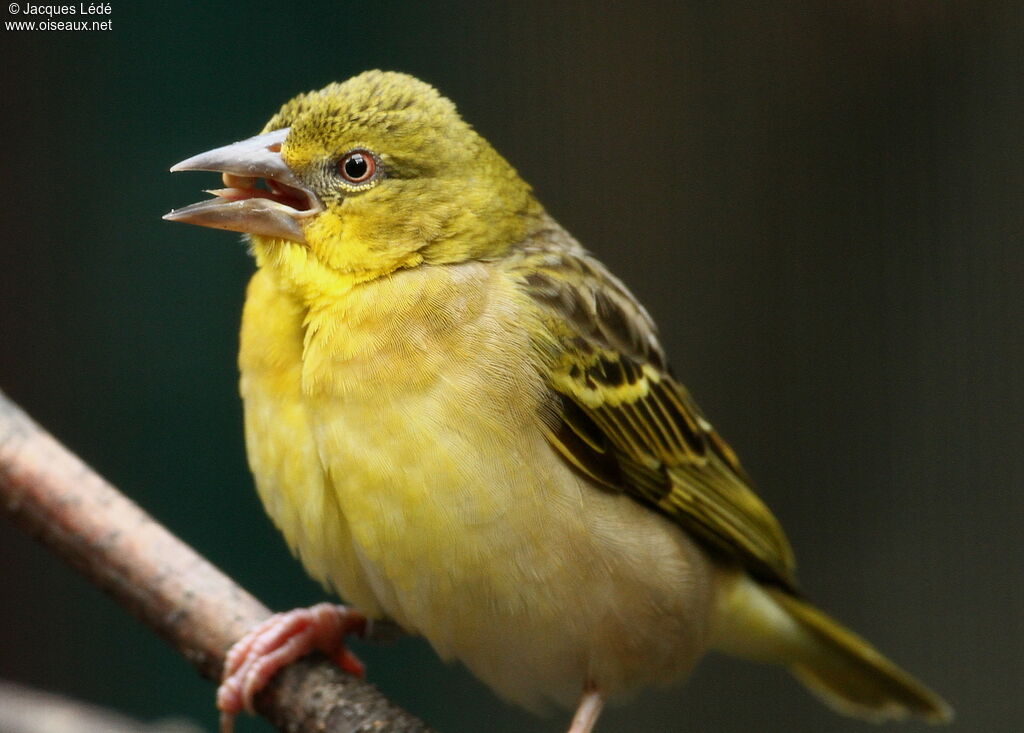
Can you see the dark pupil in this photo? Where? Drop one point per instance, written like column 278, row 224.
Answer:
column 355, row 166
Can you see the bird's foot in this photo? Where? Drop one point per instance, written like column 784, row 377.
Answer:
column 588, row 711
column 279, row 641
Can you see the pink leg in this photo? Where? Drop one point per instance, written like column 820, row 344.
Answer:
column 276, row 643
column 588, row 711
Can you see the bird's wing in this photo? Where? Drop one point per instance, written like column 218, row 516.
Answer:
column 619, row 417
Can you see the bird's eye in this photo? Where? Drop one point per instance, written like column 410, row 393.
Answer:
column 357, row 166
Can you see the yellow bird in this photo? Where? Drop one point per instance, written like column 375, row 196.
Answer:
column 463, row 422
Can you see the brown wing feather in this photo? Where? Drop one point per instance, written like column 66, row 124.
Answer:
column 620, row 418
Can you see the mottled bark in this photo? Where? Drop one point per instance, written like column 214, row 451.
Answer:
column 52, row 495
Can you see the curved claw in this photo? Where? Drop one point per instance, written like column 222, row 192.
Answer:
column 277, row 642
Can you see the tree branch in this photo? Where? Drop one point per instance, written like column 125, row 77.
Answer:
column 53, row 496
column 24, row 710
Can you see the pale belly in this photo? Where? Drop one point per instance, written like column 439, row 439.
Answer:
column 480, row 538
column 440, row 504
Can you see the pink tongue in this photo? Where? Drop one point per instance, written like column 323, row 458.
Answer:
column 278, row 193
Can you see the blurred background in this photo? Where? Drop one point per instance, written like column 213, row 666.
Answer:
column 821, row 204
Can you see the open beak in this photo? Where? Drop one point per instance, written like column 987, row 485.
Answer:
column 274, row 211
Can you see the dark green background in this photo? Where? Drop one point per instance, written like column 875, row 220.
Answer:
column 821, row 203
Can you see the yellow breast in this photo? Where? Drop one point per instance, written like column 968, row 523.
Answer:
column 379, row 405
column 395, row 439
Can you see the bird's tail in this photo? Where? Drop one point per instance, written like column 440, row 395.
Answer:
column 843, row 670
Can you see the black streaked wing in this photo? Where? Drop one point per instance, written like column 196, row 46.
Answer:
column 621, row 418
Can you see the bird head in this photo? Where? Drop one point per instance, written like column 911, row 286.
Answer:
column 364, row 177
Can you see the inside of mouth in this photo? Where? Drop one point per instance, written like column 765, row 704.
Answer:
column 239, row 188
